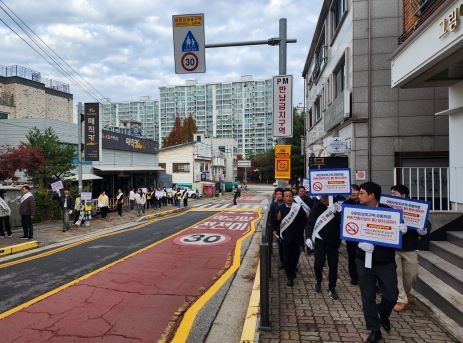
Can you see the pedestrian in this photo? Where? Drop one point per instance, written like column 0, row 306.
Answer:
column 77, row 209
column 294, row 190
column 351, row 246
column 27, row 212
column 140, row 200
column 170, row 199
column 178, row 197
column 382, row 272
column 164, row 196
column 185, row 197
column 291, row 219
column 406, row 258
column 132, row 199
column 148, row 198
column 103, row 204
column 323, row 232
column 236, row 194
column 88, row 208
column 5, row 212
column 197, row 195
column 119, row 201
column 66, row 205
column 273, row 228
column 306, row 202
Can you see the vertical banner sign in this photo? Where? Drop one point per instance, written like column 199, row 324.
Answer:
column 189, row 43
column 92, row 132
column 283, row 106
column 282, row 161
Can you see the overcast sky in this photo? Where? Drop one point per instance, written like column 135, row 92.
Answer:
column 124, row 47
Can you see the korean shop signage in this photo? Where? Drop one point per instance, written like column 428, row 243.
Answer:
column 119, row 141
column 283, row 106
column 92, row 132
column 452, row 21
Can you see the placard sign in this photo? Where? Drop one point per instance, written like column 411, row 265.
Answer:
column 415, row 212
column 86, row 196
column 159, row 194
column 329, row 181
column 376, row 225
column 306, row 184
column 56, row 186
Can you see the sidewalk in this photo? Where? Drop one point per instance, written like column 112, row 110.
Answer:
column 298, row 314
column 51, row 232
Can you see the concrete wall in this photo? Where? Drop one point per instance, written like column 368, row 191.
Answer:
column 181, row 154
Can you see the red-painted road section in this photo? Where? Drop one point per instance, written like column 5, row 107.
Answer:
column 140, row 299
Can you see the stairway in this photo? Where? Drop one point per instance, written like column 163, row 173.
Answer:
column 440, row 275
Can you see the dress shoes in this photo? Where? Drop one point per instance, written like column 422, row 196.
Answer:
column 399, row 307
column 374, row 337
column 385, row 322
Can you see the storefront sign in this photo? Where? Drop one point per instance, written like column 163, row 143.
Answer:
column 377, row 225
column 119, row 141
column 415, row 212
column 336, row 145
column 92, row 132
column 329, row 181
column 283, row 106
column 452, row 22
column 282, row 161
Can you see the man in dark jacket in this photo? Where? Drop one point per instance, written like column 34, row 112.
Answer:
column 351, row 246
column 326, row 221
column 272, row 223
column 27, row 211
column 65, row 204
column 291, row 218
column 382, row 272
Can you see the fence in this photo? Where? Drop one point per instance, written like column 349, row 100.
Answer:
column 26, row 73
column 441, row 186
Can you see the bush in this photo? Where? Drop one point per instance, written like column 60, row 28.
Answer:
column 47, row 206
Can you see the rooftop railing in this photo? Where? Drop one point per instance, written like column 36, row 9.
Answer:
column 29, row 74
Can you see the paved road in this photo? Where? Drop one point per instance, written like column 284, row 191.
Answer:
column 24, row 281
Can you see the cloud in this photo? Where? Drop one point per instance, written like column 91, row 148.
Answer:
column 125, row 49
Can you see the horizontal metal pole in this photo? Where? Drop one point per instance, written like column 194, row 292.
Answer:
column 271, row 41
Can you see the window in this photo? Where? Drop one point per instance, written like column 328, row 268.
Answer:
column 424, row 5
column 311, row 119
column 317, row 111
column 3, row 115
column 338, row 76
column 162, row 165
column 337, row 10
column 180, row 167
column 320, row 57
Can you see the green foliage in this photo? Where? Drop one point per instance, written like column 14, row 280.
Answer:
column 47, row 205
column 58, row 158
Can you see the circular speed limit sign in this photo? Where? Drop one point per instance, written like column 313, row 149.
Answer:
column 202, row 239
column 189, row 61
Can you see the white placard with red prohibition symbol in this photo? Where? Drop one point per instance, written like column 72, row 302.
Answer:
column 329, row 181
column 377, row 225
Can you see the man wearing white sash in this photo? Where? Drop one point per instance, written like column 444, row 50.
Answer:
column 306, row 202
column 291, row 218
column 324, row 232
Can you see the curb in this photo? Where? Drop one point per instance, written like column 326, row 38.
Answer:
column 250, row 323
column 12, row 249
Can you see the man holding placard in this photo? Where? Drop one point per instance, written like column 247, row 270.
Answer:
column 378, row 229
column 407, row 257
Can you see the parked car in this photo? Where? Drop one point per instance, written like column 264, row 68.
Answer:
column 192, row 194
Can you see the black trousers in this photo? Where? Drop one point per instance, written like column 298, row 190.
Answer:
column 185, row 202
column 5, row 223
column 291, row 252
column 322, row 252
column 351, row 247
column 28, row 229
column 385, row 276
column 119, row 210
column 104, row 211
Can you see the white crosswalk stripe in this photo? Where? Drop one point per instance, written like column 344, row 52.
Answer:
column 224, row 205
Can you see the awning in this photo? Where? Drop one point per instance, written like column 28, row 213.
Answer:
column 128, row 169
column 86, row 177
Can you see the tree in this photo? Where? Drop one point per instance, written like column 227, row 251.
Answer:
column 21, row 158
column 189, row 128
column 175, row 136
column 58, row 157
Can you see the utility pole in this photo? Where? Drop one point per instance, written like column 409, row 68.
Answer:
column 282, row 69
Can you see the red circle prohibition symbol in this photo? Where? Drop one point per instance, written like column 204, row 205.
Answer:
column 185, row 59
column 317, row 186
column 352, row 228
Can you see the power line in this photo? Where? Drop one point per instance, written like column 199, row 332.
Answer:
column 54, row 52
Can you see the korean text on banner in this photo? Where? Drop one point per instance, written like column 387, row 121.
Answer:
column 415, row 212
column 56, row 186
column 330, row 181
column 282, row 161
column 93, row 137
column 306, row 184
column 283, row 106
column 376, row 225
column 86, row 196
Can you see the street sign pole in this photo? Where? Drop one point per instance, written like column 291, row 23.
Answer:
column 282, row 70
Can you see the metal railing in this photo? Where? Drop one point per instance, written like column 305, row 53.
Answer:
column 440, row 186
column 26, row 73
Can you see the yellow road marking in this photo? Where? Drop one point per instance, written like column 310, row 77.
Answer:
column 184, row 328
column 250, row 323
column 84, row 277
column 12, row 249
column 86, row 240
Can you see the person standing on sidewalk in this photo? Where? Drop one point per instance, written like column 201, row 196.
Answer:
column 140, row 200
column 185, row 197
column 351, row 246
column 324, row 222
column 407, row 257
column 132, row 201
column 291, row 219
column 65, row 204
column 88, row 208
column 5, row 213
column 273, row 228
column 103, row 204
column 236, row 194
column 119, row 201
column 382, row 272
column 27, row 212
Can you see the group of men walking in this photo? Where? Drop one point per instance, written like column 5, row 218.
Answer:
column 294, row 214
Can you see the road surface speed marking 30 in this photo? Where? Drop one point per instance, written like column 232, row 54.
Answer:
column 202, row 239
column 189, row 61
